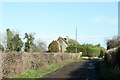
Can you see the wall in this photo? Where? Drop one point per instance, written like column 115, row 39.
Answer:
column 17, row 63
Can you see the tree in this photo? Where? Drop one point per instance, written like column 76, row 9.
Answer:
column 9, row 38
column 16, row 43
column 4, row 41
column 29, row 43
column 73, row 42
column 39, row 47
column 1, row 48
column 53, row 46
column 98, row 45
column 71, row 48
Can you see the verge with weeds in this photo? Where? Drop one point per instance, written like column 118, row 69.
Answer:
column 107, row 73
column 39, row 73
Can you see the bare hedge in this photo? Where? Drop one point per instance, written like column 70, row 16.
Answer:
column 17, row 63
column 112, row 58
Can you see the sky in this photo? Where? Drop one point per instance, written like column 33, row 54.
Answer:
column 95, row 21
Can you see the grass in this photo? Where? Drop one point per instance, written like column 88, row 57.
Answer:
column 39, row 73
column 107, row 73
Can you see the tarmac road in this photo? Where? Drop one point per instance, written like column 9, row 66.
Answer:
column 84, row 70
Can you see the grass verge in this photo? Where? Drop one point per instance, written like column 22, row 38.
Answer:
column 39, row 73
column 107, row 73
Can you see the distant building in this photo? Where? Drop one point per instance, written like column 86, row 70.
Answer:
column 62, row 44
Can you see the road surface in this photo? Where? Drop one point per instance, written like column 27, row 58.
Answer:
column 84, row 70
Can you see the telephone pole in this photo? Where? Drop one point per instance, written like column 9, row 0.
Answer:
column 76, row 40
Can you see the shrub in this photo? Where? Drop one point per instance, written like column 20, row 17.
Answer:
column 87, row 49
column 53, row 47
column 93, row 52
column 114, row 42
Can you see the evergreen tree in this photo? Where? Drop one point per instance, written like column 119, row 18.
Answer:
column 14, row 42
column 53, row 47
column 29, row 44
column 17, row 43
column 9, row 38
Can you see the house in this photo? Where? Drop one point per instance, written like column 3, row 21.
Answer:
column 62, row 44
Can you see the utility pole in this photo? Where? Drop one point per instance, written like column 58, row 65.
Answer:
column 76, row 40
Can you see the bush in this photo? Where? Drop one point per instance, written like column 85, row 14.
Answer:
column 93, row 52
column 114, row 42
column 102, row 53
column 112, row 56
column 87, row 49
column 71, row 49
column 53, row 47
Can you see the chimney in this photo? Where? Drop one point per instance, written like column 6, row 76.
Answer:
column 67, row 38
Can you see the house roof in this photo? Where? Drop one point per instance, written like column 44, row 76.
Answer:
column 63, row 39
column 70, row 41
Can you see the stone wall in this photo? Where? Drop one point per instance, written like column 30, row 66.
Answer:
column 17, row 63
